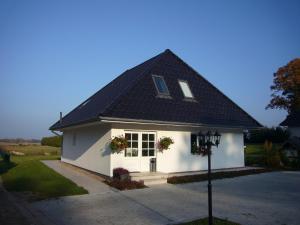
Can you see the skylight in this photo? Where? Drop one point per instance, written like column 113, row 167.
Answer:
column 160, row 85
column 185, row 89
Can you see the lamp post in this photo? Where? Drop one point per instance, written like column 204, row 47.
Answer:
column 206, row 141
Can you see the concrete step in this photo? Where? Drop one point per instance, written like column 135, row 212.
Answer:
column 151, row 182
column 150, row 178
column 137, row 178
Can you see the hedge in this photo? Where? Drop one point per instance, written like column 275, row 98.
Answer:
column 54, row 141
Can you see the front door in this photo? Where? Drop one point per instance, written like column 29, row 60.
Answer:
column 141, row 148
column 147, row 150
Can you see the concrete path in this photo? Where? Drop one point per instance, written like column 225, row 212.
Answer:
column 92, row 183
column 264, row 199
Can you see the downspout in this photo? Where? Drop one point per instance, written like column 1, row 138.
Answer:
column 60, row 135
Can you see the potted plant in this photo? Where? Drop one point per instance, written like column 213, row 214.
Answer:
column 118, row 144
column 120, row 174
column 164, row 143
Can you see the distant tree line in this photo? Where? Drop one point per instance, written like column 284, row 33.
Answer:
column 19, row 140
column 54, row 141
column 274, row 134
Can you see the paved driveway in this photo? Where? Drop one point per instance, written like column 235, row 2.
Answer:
column 264, row 199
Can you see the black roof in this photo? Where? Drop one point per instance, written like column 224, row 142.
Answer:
column 133, row 96
column 292, row 120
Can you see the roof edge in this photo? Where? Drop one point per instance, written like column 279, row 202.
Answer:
column 171, row 123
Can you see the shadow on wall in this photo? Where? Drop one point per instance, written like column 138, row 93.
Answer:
column 87, row 139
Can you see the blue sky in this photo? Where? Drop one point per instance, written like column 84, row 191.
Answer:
column 55, row 54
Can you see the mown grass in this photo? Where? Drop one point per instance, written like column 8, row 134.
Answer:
column 204, row 221
column 31, row 149
column 255, row 154
column 27, row 174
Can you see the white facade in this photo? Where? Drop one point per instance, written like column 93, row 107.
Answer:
column 91, row 150
column 294, row 131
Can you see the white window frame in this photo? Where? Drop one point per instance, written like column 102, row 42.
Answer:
column 157, row 89
column 188, row 89
column 140, row 144
column 131, row 149
column 148, row 141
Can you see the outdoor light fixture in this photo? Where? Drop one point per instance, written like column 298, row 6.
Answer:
column 205, row 142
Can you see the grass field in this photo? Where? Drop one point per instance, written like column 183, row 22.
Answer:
column 205, row 222
column 255, row 154
column 28, row 175
column 30, row 149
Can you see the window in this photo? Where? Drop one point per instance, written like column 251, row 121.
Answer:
column 148, row 144
column 132, row 140
column 193, row 143
column 160, row 85
column 74, row 139
column 185, row 89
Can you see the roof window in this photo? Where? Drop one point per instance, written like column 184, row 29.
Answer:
column 185, row 89
column 160, row 85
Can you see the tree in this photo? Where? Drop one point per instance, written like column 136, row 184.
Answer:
column 286, row 87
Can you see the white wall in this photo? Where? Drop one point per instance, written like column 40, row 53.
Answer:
column 295, row 131
column 91, row 150
column 178, row 158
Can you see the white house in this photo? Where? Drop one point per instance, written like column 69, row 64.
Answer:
column 162, row 97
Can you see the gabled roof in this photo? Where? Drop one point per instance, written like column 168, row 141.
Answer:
column 292, row 120
column 133, row 96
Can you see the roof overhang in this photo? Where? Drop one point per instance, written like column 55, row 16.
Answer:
column 170, row 123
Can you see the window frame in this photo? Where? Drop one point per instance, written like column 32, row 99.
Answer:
column 157, row 89
column 187, row 83
column 148, row 148
column 131, row 148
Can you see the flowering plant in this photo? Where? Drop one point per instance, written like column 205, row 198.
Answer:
column 118, row 144
column 164, row 143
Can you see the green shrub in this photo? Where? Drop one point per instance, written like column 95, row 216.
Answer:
column 54, row 141
column 272, row 155
column 274, row 134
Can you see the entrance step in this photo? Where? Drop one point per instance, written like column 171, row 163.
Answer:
column 150, row 178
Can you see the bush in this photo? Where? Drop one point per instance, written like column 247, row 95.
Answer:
column 120, row 174
column 272, row 155
column 54, row 141
column 214, row 176
column 125, row 184
column 274, row 134
column 5, row 156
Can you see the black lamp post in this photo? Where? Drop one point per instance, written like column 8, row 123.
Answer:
column 206, row 141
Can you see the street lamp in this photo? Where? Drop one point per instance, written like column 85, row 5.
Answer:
column 206, row 141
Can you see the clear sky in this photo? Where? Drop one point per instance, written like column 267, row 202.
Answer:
column 55, row 54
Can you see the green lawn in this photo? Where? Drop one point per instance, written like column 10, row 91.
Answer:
column 28, row 174
column 205, row 222
column 254, row 149
column 31, row 149
column 255, row 155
